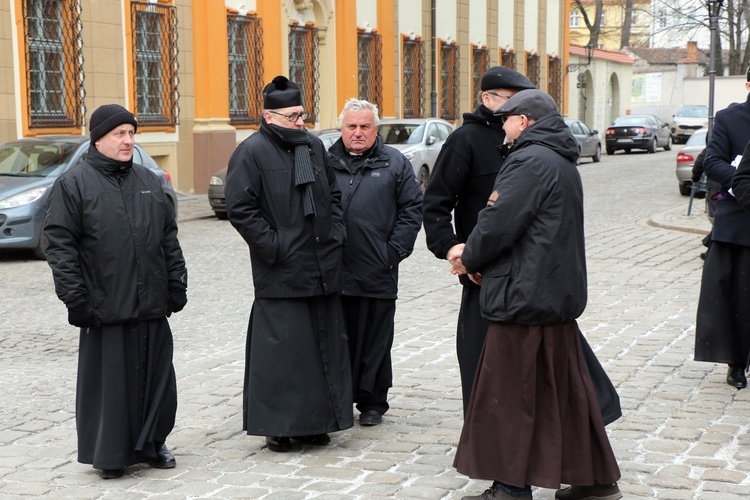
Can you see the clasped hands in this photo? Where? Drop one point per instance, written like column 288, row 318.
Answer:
column 457, row 267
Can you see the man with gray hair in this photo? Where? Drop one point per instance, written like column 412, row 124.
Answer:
column 382, row 204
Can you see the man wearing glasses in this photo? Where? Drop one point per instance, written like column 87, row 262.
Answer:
column 283, row 199
column 460, row 184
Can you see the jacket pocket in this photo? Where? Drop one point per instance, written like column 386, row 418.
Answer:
column 492, row 296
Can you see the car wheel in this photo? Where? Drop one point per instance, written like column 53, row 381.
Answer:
column 221, row 215
column 684, row 189
column 610, row 151
column 578, row 160
column 41, row 246
column 627, row 151
column 598, row 155
column 424, row 177
column 669, row 144
column 652, row 147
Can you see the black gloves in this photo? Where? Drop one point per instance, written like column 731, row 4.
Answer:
column 83, row 316
column 177, row 300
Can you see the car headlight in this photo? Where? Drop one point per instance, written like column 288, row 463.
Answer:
column 21, row 199
column 216, row 181
column 410, row 154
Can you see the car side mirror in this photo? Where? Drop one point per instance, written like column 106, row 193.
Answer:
column 594, row 132
column 431, row 140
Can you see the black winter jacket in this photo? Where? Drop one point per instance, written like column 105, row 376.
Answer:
column 729, row 136
column 291, row 255
column 529, row 244
column 113, row 242
column 382, row 204
column 462, row 180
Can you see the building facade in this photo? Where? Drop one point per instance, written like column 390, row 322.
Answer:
column 613, row 19
column 193, row 71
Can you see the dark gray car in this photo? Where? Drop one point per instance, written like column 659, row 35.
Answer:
column 28, row 168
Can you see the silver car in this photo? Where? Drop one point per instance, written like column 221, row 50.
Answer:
column 686, row 160
column 589, row 143
column 28, row 168
column 419, row 139
column 686, row 121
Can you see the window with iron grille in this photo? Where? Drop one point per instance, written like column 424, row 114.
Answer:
column 369, row 56
column 508, row 58
column 155, row 63
column 303, row 66
column 54, row 63
column 532, row 68
column 555, row 79
column 480, row 62
column 449, row 80
column 413, row 78
column 245, row 36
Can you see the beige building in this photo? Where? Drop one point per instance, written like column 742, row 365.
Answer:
column 613, row 19
column 193, row 71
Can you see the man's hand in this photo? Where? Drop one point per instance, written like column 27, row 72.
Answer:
column 476, row 278
column 454, row 257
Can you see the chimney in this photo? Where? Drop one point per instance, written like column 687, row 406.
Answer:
column 692, row 54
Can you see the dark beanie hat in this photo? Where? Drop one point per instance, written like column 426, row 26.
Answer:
column 500, row 77
column 281, row 93
column 107, row 117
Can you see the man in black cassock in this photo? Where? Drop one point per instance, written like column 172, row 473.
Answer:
column 118, row 267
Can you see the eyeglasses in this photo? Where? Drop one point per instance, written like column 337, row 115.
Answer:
column 490, row 92
column 293, row 117
column 504, row 118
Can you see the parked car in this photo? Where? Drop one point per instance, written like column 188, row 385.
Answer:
column 216, row 184
column 589, row 143
column 686, row 160
column 28, row 168
column 687, row 120
column 638, row 132
column 419, row 139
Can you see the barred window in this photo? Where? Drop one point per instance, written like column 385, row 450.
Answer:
column 480, row 62
column 369, row 56
column 155, row 63
column 413, row 78
column 245, row 36
column 508, row 58
column 449, row 80
column 303, row 66
column 554, row 87
column 532, row 68
column 52, row 49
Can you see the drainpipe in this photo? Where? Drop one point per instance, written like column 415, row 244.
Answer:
column 433, row 94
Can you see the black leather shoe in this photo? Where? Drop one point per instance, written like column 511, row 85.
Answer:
column 164, row 459
column 736, row 377
column 317, row 439
column 278, row 444
column 111, row 473
column 370, row 417
column 593, row 492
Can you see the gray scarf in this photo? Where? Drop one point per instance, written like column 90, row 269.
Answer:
column 303, row 170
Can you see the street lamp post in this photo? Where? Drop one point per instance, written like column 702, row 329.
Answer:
column 714, row 9
column 570, row 68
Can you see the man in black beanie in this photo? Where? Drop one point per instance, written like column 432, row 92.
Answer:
column 119, row 269
column 283, row 199
column 460, row 184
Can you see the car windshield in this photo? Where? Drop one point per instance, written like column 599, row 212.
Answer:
column 401, row 133
column 35, row 159
column 629, row 121
column 698, row 112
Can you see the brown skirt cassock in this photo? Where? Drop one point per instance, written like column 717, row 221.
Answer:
column 533, row 417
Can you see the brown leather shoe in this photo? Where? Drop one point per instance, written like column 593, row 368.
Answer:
column 495, row 492
column 594, row 492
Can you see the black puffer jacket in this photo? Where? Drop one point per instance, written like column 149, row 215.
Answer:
column 462, row 180
column 112, row 240
column 382, row 204
column 529, row 244
column 291, row 255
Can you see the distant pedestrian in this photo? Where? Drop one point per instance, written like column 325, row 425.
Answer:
column 458, row 189
column 533, row 416
column 382, row 204
column 119, row 269
column 722, row 329
column 283, row 199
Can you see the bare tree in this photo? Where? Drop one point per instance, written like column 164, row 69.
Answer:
column 594, row 26
column 627, row 23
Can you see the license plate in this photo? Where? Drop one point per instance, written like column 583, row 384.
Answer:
column 624, row 140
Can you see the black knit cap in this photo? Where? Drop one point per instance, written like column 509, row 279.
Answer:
column 500, row 77
column 281, row 93
column 531, row 103
column 107, row 117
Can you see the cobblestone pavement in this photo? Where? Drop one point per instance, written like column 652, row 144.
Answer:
column 684, row 433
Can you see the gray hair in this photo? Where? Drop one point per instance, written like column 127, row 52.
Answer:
column 358, row 105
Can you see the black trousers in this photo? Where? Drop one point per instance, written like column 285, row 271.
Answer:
column 471, row 331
